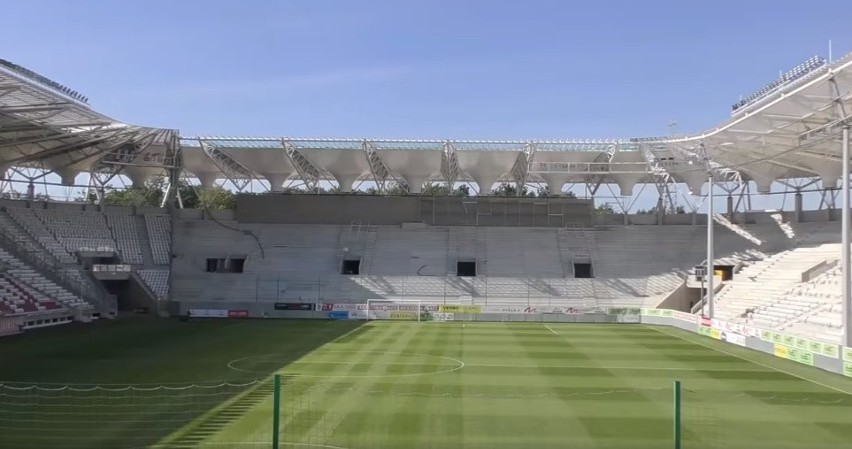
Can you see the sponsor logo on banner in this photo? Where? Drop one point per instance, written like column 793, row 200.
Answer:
column 777, row 338
column 404, row 315
column 735, row 327
column 10, row 325
column 338, row 315
column 815, row 346
column 847, row 369
column 326, row 307
column 454, row 308
column 847, row 354
column 706, row 321
column 625, row 311
column 508, row 309
column 829, row 350
column 238, row 314
column 782, row 351
column 715, row 333
column 733, row 337
column 294, row 306
column 442, row 316
column 208, row 313
column 344, row 307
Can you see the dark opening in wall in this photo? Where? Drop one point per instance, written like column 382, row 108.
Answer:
column 727, row 271
column 583, row 270
column 236, row 265
column 351, row 266
column 466, row 268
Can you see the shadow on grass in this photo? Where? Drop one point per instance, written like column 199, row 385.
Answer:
column 146, row 354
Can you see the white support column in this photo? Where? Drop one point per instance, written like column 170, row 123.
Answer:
column 844, row 253
column 711, row 312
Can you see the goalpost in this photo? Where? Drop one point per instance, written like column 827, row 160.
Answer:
column 394, row 309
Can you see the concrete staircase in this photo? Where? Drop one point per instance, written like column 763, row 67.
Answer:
column 144, row 241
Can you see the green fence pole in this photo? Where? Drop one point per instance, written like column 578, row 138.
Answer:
column 677, row 415
column 276, row 409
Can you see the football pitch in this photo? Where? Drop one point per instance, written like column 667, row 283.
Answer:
column 391, row 384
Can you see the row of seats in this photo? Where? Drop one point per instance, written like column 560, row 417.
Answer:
column 15, row 298
column 765, row 281
column 36, row 285
column 157, row 281
column 30, row 222
column 159, row 233
column 77, row 230
column 812, row 309
column 63, row 232
column 126, row 237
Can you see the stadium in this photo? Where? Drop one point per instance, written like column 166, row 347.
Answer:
column 370, row 293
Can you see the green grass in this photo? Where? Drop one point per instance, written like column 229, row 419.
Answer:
column 410, row 385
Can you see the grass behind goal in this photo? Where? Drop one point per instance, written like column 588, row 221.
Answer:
column 417, row 385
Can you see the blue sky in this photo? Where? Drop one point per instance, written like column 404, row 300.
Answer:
column 420, row 69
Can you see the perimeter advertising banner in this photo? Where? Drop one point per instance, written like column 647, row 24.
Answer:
column 536, row 309
column 733, row 337
column 11, row 325
column 803, row 344
column 661, row 312
column 306, row 306
column 208, row 313
column 458, row 308
column 735, row 327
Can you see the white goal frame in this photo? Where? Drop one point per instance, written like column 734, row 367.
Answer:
column 372, row 309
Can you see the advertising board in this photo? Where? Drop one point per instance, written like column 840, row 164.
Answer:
column 458, row 308
column 307, row 306
column 733, row 337
column 241, row 313
column 10, row 325
column 208, row 313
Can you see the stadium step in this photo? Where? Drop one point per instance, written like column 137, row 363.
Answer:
column 144, row 241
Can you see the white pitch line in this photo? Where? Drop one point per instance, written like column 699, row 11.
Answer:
column 530, row 366
column 638, row 368
column 551, row 329
column 754, row 361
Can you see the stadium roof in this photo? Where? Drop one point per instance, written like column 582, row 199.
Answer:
column 46, row 125
column 788, row 129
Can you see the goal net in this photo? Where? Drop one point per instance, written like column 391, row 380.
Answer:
column 129, row 416
column 394, row 309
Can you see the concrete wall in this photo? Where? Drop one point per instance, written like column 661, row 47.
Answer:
column 395, row 210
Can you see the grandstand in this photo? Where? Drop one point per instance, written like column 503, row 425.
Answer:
column 297, row 251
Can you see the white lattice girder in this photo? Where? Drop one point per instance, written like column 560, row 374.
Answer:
column 271, row 163
column 347, row 166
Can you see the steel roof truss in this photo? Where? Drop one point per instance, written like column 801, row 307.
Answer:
column 239, row 175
